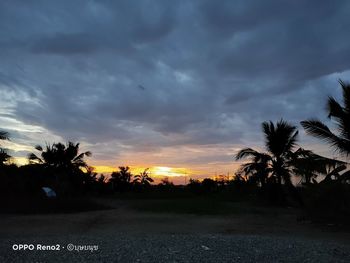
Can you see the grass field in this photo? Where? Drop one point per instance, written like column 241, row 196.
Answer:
column 196, row 205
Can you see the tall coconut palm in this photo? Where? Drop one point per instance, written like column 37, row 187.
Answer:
column 280, row 141
column 340, row 114
column 60, row 156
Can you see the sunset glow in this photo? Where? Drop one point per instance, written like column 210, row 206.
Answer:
column 168, row 171
column 156, row 171
column 174, row 131
column 164, row 107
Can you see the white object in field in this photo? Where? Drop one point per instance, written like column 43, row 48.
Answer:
column 49, row 192
column 205, row 247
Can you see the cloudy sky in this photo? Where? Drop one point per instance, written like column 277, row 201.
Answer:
column 180, row 84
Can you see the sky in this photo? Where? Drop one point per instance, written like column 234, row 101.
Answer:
column 167, row 84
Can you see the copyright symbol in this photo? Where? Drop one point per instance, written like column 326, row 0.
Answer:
column 70, row 247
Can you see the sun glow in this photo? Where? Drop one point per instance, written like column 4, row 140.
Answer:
column 155, row 171
column 168, row 171
column 20, row 160
column 102, row 169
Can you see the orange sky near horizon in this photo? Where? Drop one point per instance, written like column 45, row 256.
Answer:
column 177, row 175
column 196, row 162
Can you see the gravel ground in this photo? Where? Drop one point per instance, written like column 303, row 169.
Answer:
column 125, row 235
column 180, row 248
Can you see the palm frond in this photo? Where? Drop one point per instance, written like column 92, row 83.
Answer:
column 88, row 153
column 345, row 176
column 34, row 159
column 280, row 138
column 246, row 152
column 291, row 142
column 335, row 172
column 319, row 130
column 346, row 94
column 4, row 135
column 38, row 147
column 4, row 156
column 335, row 110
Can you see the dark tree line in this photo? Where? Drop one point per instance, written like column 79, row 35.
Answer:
column 275, row 170
column 284, row 159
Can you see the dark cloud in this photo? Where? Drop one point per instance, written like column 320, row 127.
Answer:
column 151, row 74
column 66, row 44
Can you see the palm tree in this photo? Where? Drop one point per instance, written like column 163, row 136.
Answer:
column 143, row 178
column 341, row 116
column 60, row 156
column 121, row 180
column 4, row 156
column 258, row 169
column 309, row 165
column 280, row 141
column 4, row 135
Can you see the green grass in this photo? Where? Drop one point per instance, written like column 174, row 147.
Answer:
column 48, row 206
column 194, row 205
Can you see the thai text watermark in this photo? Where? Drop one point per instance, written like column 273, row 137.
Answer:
column 54, row 247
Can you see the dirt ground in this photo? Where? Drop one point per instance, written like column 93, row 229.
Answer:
column 123, row 219
column 125, row 234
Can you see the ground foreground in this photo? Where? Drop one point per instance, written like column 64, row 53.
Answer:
column 124, row 234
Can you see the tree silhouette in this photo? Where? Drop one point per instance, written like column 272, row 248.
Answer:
column 121, row 180
column 63, row 165
column 89, row 178
column 166, row 182
column 194, row 185
column 143, row 179
column 208, row 185
column 340, row 114
column 60, row 156
column 309, row 165
column 101, row 179
column 258, row 169
column 4, row 156
column 280, row 140
column 4, row 135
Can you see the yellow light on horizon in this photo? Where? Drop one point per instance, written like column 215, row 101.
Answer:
column 155, row 171
column 20, row 160
column 101, row 169
column 168, row 171
column 105, row 169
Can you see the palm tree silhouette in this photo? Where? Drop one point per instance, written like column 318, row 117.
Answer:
column 121, row 180
column 280, row 140
column 143, row 178
column 4, row 156
column 258, row 169
column 309, row 165
column 4, row 135
column 341, row 115
column 60, row 156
